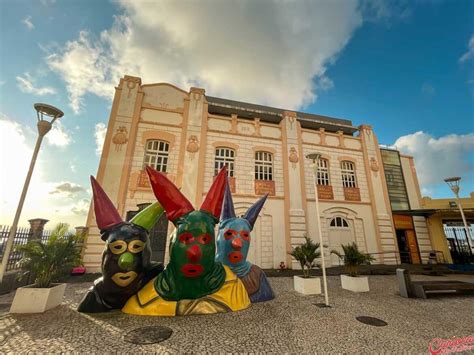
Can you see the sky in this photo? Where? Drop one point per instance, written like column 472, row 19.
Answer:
column 404, row 67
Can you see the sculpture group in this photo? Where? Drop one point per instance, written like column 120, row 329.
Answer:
column 199, row 279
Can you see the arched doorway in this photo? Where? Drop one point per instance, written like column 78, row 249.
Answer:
column 340, row 232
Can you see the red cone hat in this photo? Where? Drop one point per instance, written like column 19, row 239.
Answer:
column 168, row 195
column 214, row 198
column 106, row 214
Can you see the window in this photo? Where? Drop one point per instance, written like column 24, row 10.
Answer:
column 339, row 222
column 263, row 166
column 156, row 154
column 348, row 174
column 224, row 157
column 323, row 172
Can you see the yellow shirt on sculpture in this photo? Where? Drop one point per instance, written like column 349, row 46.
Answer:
column 231, row 297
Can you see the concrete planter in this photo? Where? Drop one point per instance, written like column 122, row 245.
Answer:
column 355, row 284
column 30, row 299
column 310, row 286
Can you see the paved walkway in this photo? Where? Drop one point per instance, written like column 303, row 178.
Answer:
column 289, row 324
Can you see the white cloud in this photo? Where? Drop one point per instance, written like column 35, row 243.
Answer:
column 266, row 52
column 58, row 135
column 428, row 89
column 99, row 134
column 469, row 55
column 384, row 11
column 67, row 188
column 438, row 158
column 27, row 85
column 27, row 22
column 16, row 153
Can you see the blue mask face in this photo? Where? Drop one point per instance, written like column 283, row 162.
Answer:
column 233, row 242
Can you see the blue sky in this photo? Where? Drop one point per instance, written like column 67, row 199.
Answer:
column 405, row 67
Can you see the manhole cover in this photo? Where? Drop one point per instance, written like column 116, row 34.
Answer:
column 321, row 305
column 147, row 335
column 372, row 321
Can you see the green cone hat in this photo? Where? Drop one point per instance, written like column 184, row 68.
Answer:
column 149, row 216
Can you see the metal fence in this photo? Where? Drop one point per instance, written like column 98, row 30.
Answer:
column 21, row 238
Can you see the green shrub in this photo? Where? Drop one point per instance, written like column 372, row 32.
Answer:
column 50, row 260
column 306, row 254
column 353, row 258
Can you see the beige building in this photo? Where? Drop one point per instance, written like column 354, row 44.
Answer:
column 190, row 136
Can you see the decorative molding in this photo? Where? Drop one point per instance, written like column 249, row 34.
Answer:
column 374, row 164
column 233, row 128
column 257, row 127
column 193, row 145
column 351, row 194
column 120, row 138
column 322, row 135
column 261, row 148
column 154, row 134
column 340, row 135
column 226, row 144
column 263, row 187
column 293, row 156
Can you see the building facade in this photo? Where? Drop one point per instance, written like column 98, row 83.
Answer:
column 189, row 136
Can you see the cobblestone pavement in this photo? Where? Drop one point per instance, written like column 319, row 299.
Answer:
column 289, row 324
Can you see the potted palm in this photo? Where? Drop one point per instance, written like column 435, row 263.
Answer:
column 306, row 254
column 46, row 262
column 352, row 259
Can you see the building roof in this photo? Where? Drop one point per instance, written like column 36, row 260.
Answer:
column 274, row 115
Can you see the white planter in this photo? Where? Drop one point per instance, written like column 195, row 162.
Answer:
column 355, row 284
column 310, row 286
column 30, row 299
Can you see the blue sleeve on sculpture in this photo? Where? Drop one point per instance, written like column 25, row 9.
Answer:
column 264, row 293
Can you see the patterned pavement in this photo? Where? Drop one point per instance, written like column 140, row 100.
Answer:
column 289, row 324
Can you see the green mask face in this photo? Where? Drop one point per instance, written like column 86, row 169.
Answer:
column 192, row 271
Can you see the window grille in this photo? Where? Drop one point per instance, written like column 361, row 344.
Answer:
column 323, row 172
column 339, row 222
column 263, row 166
column 156, row 154
column 348, row 174
column 224, row 157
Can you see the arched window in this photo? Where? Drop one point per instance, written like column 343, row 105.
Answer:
column 323, row 172
column 156, row 154
column 339, row 222
column 224, row 157
column 348, row 174
column 263, row 166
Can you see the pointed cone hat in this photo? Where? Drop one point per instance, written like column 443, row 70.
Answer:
column 228, row 205
column 252, row 213
column 213, row 201
column 149, row 216
column 106, row 214
column 169, row 196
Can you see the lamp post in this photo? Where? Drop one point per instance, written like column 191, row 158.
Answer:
column 315, row 158
column 453, row 183
column 44, row 126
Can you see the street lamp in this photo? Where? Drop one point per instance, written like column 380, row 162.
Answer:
column 315, row 158
column 453, row 183
column 44, row 126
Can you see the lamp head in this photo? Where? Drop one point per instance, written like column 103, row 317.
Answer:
column 313, row 156
column 453, row 183
column 47, row 110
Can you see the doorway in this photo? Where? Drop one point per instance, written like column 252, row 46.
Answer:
column 406, row 240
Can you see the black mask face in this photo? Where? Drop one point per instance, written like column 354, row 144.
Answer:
column 126, row 256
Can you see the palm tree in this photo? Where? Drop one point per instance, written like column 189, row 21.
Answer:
column 306, row 254
column 353, row 258
column 50, row 260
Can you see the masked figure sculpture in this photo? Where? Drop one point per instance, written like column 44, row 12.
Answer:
column 233, row 241
column 126, row 260
column 193, row 282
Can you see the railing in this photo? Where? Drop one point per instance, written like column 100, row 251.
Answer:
column 435, row 256
column 23, row 235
